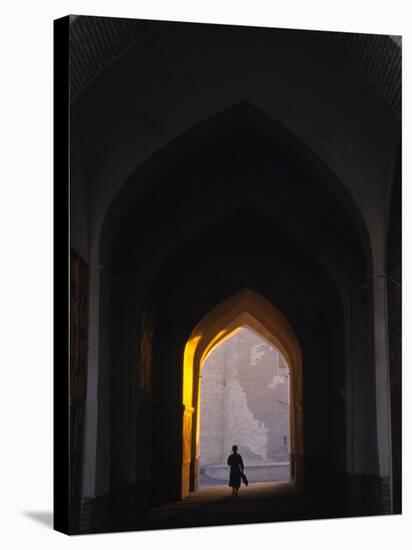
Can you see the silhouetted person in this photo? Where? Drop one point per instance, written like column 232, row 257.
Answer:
column 236, row 470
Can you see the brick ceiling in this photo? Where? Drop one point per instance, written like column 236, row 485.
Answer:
column 95, row 42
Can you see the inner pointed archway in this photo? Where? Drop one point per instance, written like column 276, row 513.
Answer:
column 244, row 400
column 244, row 309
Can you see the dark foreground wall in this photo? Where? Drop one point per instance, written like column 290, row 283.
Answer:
column 204, row 241
column 169, row 249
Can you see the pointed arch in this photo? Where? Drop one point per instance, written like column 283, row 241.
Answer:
column 244, row 309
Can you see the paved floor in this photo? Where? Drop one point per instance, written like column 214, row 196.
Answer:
column 259, row 502
column 207, row 481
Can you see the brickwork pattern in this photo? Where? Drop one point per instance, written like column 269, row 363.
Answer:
column 244, row 401
column 78, row 377
column 369, row 495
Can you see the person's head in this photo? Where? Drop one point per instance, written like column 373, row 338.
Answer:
column 234, row 448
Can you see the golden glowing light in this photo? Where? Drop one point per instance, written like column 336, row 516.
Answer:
column 244, row 309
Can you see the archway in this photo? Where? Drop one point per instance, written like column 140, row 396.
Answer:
column 246, row 308
column 300, row 180
column 172, row 280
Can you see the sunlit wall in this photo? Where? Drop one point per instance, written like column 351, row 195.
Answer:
column 244, row 401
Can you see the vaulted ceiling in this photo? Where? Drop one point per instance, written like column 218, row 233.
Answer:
column 96, row 42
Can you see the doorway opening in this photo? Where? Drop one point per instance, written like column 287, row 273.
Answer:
column 249, row 311
column 244, row 401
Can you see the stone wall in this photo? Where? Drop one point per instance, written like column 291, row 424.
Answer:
column 244, row 401
column 394, row 296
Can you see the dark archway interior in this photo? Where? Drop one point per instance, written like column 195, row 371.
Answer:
column 234, row 210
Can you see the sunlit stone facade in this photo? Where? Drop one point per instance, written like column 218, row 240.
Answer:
column 244, row 401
